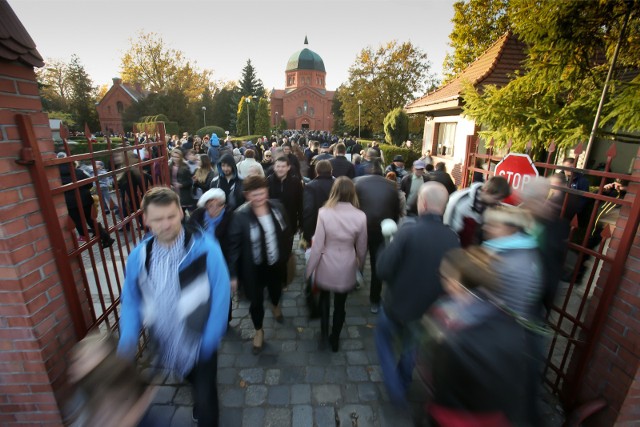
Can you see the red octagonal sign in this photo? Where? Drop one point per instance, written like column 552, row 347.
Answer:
column 519, row 170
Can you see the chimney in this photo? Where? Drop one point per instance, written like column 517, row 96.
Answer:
column 117, row 81
column 138, row 87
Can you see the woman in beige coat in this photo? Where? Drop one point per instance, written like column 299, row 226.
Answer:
column 338, row 250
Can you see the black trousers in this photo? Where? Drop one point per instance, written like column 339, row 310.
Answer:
column 204, row 387
column 374, row 242
column 339, row 313
column 269, row 276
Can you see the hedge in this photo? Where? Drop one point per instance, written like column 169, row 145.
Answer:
column 390, row 151
column 211, row 129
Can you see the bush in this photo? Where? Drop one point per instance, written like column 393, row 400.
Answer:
column 211, row 129
column 396, row 127
column 390, row 151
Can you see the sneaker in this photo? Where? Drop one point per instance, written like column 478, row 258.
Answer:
column 375, row 308
column 194, row 414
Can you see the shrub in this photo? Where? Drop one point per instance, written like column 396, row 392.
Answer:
column 211, row 129
column 390, row 151
column 396, row 127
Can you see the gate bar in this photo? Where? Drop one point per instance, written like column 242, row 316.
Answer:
column 31, row 157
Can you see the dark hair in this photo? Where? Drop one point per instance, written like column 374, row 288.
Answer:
column 440, row 166
column 429, row 167
column 254, row 182
column 498, row 186
column 341, row 148
column 283, row 159
column 373, row 167
column 161, row 196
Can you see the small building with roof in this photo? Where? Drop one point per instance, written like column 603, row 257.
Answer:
column 446, row 130
column 304, row 103
column 115, row 102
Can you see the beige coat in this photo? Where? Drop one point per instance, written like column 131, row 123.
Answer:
column 339, row 247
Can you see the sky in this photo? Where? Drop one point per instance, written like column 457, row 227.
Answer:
column 221, row 35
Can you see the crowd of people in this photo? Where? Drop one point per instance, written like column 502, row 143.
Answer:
column 460, row 290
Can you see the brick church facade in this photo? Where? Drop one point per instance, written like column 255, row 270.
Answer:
column 115, row 101
column 305, row 103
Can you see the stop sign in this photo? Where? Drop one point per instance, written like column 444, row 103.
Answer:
column 519, row 170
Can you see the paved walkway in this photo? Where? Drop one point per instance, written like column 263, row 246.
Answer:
column 291, row 383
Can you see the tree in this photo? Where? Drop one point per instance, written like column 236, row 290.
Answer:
column 161, row 69
column 339, row 126
column 241, row 120
column 396, row 127
column 83, row 95
column 225, row 107
column 477, row 24
column 263, row 117
column 556, row 97
column 173, row 105
column 383, row 79
column 250, row 84
column 55, row 89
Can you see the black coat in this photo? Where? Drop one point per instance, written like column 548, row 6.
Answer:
column 342, row 167
column 289, row 193
column 233, row 187
column 241, row 262
column 405, row 186
column 445, row 179
column 316, row 193
column 410, row 265
column 378, row 199
column 85, row 190
column 222, row 229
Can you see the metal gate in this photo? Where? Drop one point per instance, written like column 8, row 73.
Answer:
column 582, row 303
column 91, row 270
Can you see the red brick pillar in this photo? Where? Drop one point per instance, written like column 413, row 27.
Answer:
column 614, row 370
column 35, row 325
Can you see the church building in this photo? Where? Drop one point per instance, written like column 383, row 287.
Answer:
column 305, row 103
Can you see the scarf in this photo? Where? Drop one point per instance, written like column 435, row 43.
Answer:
column 212, row 223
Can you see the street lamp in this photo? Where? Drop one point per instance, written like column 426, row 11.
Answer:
column 359, row 105
column 248, row 99
column 204, row 115
column 277, row 122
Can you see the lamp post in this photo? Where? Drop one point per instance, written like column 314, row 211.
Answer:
column 359, row 105
column 204, row 115
column 277, row 122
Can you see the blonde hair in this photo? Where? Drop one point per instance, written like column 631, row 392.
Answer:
column 510, row 215
column 343, row 190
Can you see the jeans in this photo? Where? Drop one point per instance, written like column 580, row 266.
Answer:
column 374, row 242
column 339, row 313
column 203, row 379
column 396, row 373
column 269, row 277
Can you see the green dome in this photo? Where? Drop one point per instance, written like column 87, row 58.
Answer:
column 305, row 59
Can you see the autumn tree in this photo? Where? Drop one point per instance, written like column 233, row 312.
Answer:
column 477, row 24
column 250, row 84
column 160, row 69
column 54, row 85
column 571, row 44
column 383, row 79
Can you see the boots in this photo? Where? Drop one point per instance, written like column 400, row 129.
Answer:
column 258, row 341
column 277, row 313
column 106, row 241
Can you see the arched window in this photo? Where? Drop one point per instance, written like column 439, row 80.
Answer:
column 120, row 107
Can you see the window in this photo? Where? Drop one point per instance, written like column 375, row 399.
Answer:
column 446, row 139
column 120, row 107
column 306, row 106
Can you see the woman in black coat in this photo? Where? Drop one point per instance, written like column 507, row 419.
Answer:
column 259, row 249
column 181, row 179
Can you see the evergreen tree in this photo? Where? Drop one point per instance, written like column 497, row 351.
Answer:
column 263, row 118
column 250, row 84
column 83, row 95
column 396, row 127
column 242, row 116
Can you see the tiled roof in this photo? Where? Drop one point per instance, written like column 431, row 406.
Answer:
column 15, row 43
column 136, row 95
column 494, row 66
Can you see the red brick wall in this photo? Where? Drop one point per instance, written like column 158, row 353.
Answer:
column 108, row 110
column 35, row 327
column 614, row 372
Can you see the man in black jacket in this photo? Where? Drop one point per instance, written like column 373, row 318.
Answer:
column 440, row 175
column 286, row 188
column 229, row 182
column 378, row 199
column 340, row 165
column 316, row 193
column 410, row 266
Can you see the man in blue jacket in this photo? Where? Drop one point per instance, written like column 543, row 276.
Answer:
column 177, row 286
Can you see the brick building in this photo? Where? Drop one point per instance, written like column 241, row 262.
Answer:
column 115, row 101
column 304, row 103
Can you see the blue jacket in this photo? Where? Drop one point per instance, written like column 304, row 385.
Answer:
column 211, row 314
